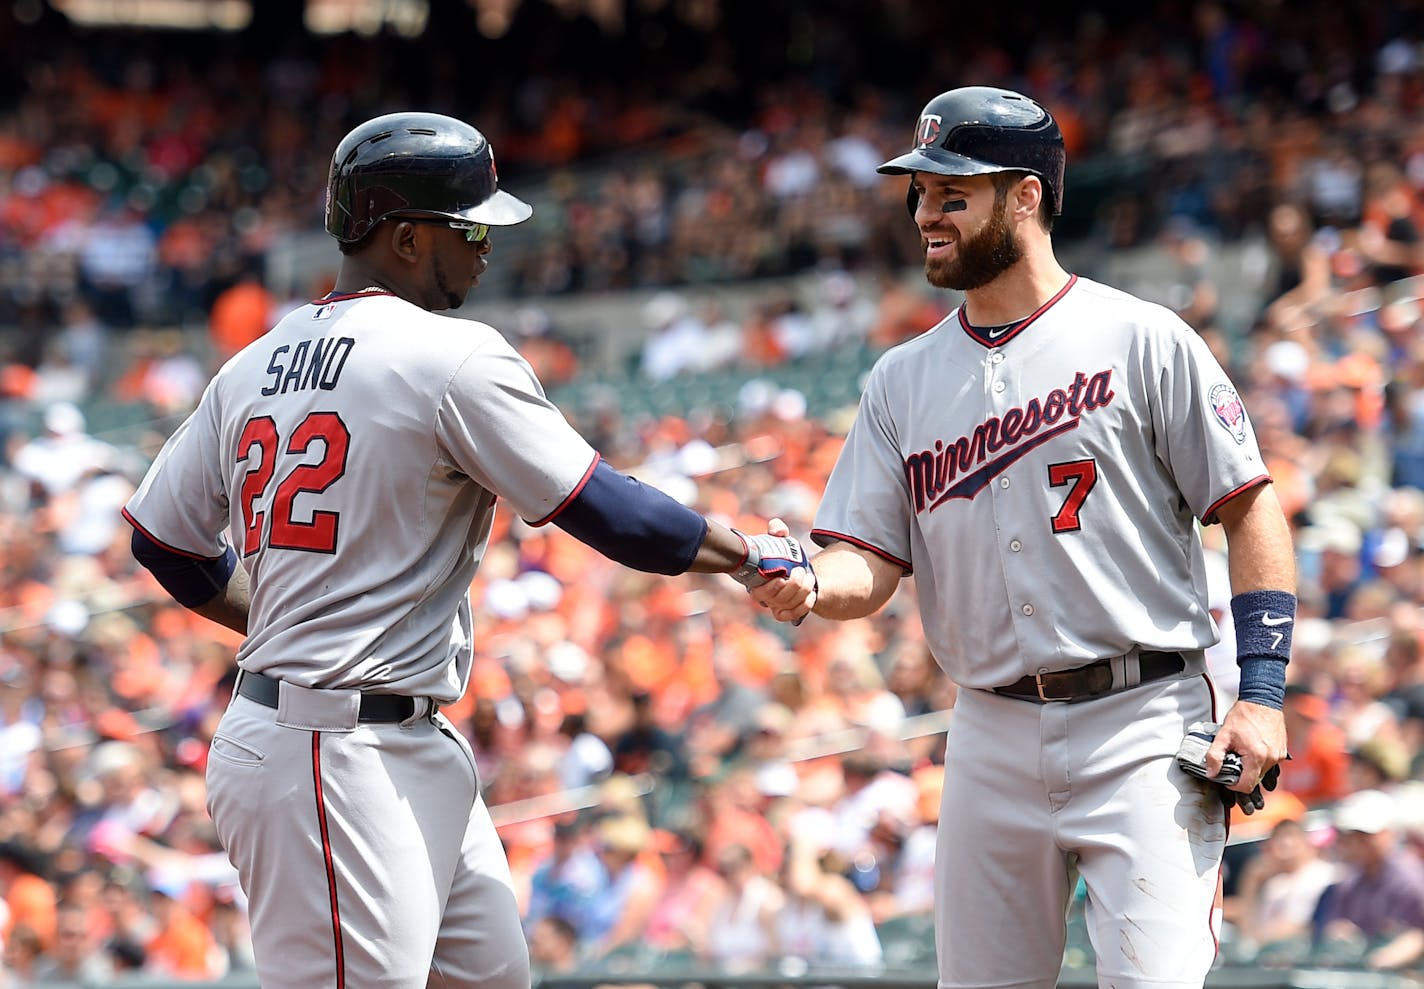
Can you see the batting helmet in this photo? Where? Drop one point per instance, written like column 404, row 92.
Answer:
column 423, row 164
column 979, row 130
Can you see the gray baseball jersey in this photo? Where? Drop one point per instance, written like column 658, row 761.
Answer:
column 337, row 454
column 1046, row 482
column 353, row 457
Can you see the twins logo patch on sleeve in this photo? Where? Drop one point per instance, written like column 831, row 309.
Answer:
column 1226, row 404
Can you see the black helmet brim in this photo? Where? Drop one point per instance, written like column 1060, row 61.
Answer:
column 941, row 162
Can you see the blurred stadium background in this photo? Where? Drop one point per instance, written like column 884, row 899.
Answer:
column 711, row 268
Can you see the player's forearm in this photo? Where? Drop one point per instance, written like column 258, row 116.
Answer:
column 639, row 526
column 722, row 550
column 851, row 583
column 1262, row 568
column 1260, row 556
column 230, row 606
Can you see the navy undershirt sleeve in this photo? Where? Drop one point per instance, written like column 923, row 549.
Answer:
column 633, row 523
column 192, row 580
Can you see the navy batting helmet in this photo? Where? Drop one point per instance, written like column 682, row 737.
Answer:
column 979, row 130
column 420, row 164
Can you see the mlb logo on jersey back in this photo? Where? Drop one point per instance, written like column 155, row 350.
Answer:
column 325, row 311
column 1229, row 410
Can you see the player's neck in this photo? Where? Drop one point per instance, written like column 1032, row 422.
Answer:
column 1016, row 293
column 356, row 277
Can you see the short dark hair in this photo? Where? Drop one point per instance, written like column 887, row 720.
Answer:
column 355, row 246
column 562, row 927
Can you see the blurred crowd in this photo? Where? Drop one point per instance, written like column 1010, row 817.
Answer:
column 675, row 778
column 150, row 181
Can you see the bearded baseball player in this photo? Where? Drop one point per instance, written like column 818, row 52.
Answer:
column 331, row 498
column 1040, row 461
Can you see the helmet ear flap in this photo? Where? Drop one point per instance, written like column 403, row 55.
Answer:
column 912, row 198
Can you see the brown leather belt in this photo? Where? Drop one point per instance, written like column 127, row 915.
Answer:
column 1093, row 680
column 383, row 708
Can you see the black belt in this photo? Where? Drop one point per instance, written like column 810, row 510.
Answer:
column 1093, row 680
column 374, row 707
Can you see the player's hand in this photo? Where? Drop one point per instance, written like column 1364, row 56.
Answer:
column 790, row 598
column 1258, row 735
column 769, row 556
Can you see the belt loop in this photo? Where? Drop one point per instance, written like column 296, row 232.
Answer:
column 422, row 709
column 1127, row 671
column 1134, row 666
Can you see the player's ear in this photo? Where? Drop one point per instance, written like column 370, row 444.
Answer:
column 1028, row 194
column 405, row 241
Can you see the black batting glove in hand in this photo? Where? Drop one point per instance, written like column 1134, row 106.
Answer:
column 768, row 557
column 1255, row 800
column 1192, row 758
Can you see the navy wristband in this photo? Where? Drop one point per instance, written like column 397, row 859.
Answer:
column 1264, row 621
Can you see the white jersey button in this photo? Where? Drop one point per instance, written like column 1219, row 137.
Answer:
column 1028, row 610
column 1003, row 482
column 998, row 386
column 1015, row 545
column 996, row 357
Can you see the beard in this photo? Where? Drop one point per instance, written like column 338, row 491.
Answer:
column 981, row 258
column 453, row 295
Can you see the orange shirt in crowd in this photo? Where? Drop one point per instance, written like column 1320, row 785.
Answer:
column 1318, row 770
column 184, row 947
column 31, row 903
column 240, row 315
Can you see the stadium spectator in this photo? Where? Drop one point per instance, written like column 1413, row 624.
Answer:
column 824, row 920
column 873, row 789
column 567, row 883
column 56, row 461
column 1361, row 680
column 1279, row 887
column 743, row 923
column 181, row 946
column 553, row 948
column 76, row 956
column 680, row 921
column 1381, row 897
column 677, row 340
column 1317, row 772
column 622, row 909
column 1379, row 763
column 30, row 901
column 911, row 882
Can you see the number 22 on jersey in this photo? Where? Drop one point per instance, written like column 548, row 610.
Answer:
column 323, row 430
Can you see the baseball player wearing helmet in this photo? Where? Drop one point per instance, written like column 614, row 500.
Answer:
column 1040, row 461
column 331, row 498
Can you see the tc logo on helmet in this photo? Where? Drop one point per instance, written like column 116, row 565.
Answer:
column 928, row 129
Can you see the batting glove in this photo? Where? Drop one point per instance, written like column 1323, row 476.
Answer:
column 1255, row 800
column 767, row 557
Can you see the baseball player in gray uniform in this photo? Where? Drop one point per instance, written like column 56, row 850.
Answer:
column 1040, row 461
column 331, row 498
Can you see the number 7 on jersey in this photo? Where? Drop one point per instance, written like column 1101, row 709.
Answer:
column 1081, row 475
